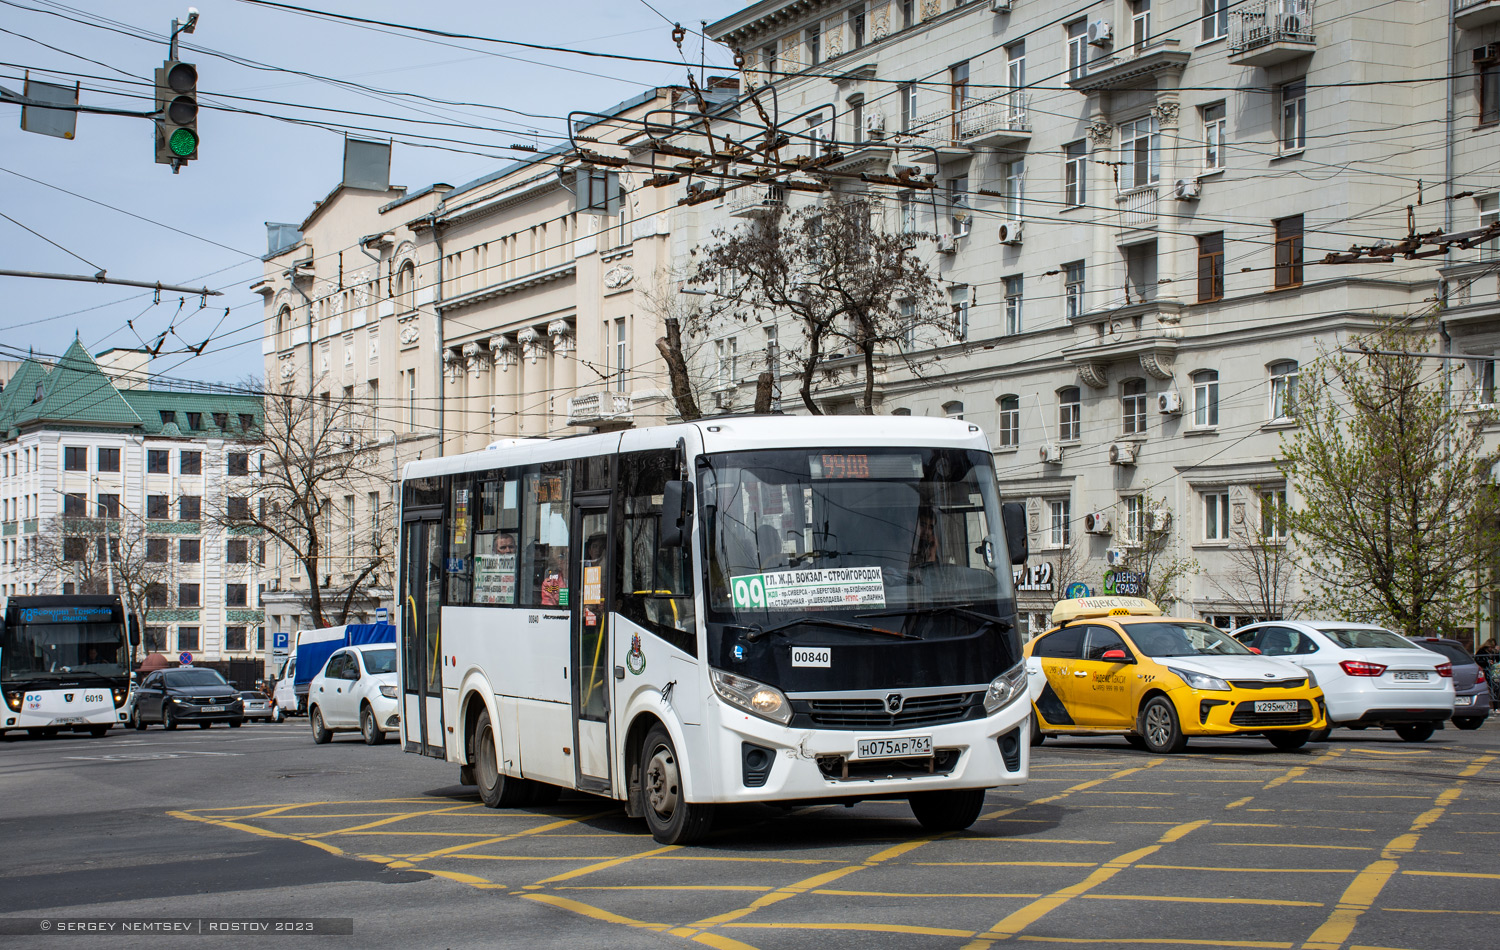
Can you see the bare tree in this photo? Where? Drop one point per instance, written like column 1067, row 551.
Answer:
column 1263, row 564
column 97, row 555
column 840, row 279
column 316, row 453
column 1151, row 553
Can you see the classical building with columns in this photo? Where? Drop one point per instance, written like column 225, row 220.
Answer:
column 1131, row 202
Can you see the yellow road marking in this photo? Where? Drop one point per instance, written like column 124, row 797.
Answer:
column 390, row 820
column 1300, row 770
column 1173, row 941
column 441, row 852
column 1266, row 902
column 1243, row 801
column 1477, row 767
column 1082, row 786
column 602, row 865
column 865, row 928
column 778, row 895
column 1473, row 874
column 1243, row 870
column 1004, row 864
column 594, row 913
column 833, row 893
column 1429, row 910
column 1274, row 844
column 754, row 888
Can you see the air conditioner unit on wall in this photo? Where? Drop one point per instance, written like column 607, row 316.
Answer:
column 946, row 244
column 1000, row 6
column 724, row 399
column 1114, row 557
column 1010, row 232
column 1122, row 453
column 1161, row 519
column 1101, row 33
column 875, row 125
column 1487, row 54
column 1187, row 189
column 1096, row 522
column 1169, row 402
column 1051, row 453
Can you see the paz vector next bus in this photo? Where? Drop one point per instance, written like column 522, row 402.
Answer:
column 741, row 609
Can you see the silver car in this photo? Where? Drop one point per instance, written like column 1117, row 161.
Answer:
column 257, row 706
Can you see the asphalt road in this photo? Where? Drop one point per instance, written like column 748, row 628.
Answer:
column 1364, row 842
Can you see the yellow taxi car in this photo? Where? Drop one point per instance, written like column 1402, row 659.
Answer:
column 1117, row 666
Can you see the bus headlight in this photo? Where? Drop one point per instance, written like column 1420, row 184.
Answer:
column 1005, row 688
column 13, row 700
column 768, row 702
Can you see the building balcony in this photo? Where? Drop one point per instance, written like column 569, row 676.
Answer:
column 1135, row 212
column 1002, row 122
column 870, row 157
column 1134, row 67
column 755, row 201
column 1474, row 14
column 1267, row 32
column 1147, row 334
column 601, row 410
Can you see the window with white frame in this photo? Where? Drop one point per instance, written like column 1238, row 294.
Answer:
column 906, row 312
column 908, row 13
column 1069, row 414
column 769, row 61
column 1216, row 516
column 411, row 399
column 1489, row 214
column 857, row 120
column 814, row 38
column 1133, row 406
column 1013, row 202
column 953, row 410
column 1140, row 153
column 1013, row 299
column 1206, row 398
column 1215, row 19
column 857, row 26
column 907, row 204
column 958, row 205
column 1140, row 23
column 1073, row 289
column 909, row 111
column 1283, row 390
column 1078, row 48
column 958, row 299
column 726, row 351
column 1293, row 97
column 1061, row 510
column 1135, row 519
column 1075, row 173
column 1484, row 381
column 1015, row 78
column 620, row 354
column 1010, row 421
column 1273, row 514
column 1214, row 125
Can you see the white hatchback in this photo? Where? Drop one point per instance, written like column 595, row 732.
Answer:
column 1369, row 675
column 356, row 689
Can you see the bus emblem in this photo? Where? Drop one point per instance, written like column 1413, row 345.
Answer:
column 67, row 697
column 635, row 659
column 894, row 703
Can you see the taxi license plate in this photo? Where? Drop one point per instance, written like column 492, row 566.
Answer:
column 1409, row 675
column 210, row 708
column 1276, row 706
column 892, row 748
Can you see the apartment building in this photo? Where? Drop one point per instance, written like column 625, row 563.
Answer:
column 87, row 441
column 1132, row 200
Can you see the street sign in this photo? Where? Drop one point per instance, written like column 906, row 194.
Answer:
column 281, row 641
column 185, row 659
column 1077, row 589
column 382, row 615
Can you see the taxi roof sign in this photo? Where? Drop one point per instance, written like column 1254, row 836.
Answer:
column 1079, row 608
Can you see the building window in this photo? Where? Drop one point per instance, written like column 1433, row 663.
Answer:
column 958, row 204
column 1135, row 519
column 814, row 44
column 1216, row 516
column 190, row 463
column 189, row 550
column 1489, row 92
column 1283, row 390
column 75, row 549
column 768, row 62
column 1489, row 214
column 187, row 595
column 1484, row 381
column 238, row 463
column 908, row 13
column 1215, row 19
column 1075, row 173
column 1015, row 78
column 1273, row 511
column 221, row 420
column 1140, row 23
column 621, row 369
column 1010, row 421
column 234, row 639
column 155, row 639
column 189, row 508
column 857, row 120
column 1140, row 153
column 1214, row 125
column 1210, row 267
column 1069, row 414
column 157, row 550
column 958, row 81
column 1013, row 203
column 958, row 300
column 906, row 311
column 75, row 458
column 238, row 506
column 1293, row 116
column 109, row 507
column 1078, row 49
column 907, row 205
column 857, row 27
column 1288, row 251
column 237, row 551
column 953, row 410
column 195, row 420
column 157, row 507
column 1133, row 406
column 1140, row 272
column 236, row 595
column 1206, row 398
column 75, row 505
column 1013, row 301
column 1061, row 534
column 727, row 353
column 157, row 461
column 187, row 638
column 109, row 460
column 1073, row 289
column 247, row 421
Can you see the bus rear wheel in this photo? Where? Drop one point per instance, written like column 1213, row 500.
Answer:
column 671, row 818
column 496, row 789
column 949, row 810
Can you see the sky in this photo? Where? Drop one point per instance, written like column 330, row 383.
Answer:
column 100, row 201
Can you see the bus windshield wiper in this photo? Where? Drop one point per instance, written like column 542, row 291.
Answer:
column 962, row 610
column 755, row 631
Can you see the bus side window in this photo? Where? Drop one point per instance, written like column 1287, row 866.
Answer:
column 656, row 583
column 460, row 556
column 545, row 509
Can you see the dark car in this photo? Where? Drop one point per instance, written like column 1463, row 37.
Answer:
column 187, row 695
column 1471, row 694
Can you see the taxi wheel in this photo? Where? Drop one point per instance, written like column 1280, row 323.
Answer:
column 1415, row 731
column 951, row 810
column 1289, row 741
column 1158, row 727
column 1321, row 735
column 1037, row 736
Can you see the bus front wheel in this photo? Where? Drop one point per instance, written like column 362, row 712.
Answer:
column 671, row 818
column 496, row 789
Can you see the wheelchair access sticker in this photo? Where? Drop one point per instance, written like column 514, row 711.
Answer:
column 826, row 587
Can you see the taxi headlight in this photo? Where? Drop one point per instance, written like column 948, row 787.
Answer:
column 1199, row 680
column 1312, row 678
column 768, row 702
column 1005, row 688
column 388, row 691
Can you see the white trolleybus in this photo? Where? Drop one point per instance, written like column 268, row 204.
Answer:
column 65, row 663
column 741, row 609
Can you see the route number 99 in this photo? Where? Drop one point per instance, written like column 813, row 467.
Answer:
column 749, row 591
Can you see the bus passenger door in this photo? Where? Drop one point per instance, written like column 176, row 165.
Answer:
column 421, row 663
column 588, row 595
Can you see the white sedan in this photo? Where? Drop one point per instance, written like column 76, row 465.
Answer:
column 1369, row 675
column 356, row 689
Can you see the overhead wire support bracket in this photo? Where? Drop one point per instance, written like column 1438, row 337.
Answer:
column 99, row 278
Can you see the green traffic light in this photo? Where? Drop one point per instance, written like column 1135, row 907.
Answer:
column 183, row 142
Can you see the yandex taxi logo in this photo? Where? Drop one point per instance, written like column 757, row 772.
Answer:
column 1080, row 608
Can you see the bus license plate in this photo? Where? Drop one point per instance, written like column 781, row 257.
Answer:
column 210, row 708
column 893, row 748
column 1276, row 706
column 1409, row 675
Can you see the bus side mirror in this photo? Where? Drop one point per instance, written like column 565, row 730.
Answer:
column 134, row 626
column 1013, row 517
column 676, row 513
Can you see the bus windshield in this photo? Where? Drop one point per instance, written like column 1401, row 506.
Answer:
column 57, row 650
column 866, row 531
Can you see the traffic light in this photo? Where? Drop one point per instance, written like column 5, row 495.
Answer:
column 177, row 113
